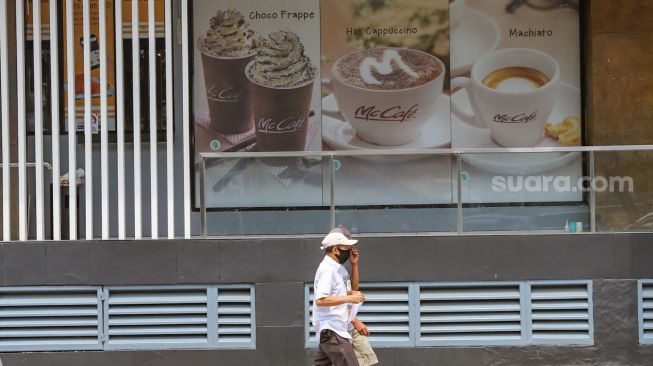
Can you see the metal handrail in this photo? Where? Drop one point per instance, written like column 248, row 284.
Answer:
column 401, row 152
column 453, row 152
column 29, row 165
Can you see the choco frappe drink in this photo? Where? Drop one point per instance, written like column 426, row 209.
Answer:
column 226, row 48
column 281, row 86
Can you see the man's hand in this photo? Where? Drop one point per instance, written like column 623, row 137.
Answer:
column 354, row 256
column 361, row 328
column 356, row 297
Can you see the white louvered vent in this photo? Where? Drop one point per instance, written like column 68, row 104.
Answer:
column 310, row 329
column 50, row 319
column 645, row 311
column 235, row 317
column 386, row 312
column 156, row 317
column 561, row 313
column 470, row 314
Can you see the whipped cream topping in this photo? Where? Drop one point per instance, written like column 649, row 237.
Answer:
column 230, row 35
column 281, row 62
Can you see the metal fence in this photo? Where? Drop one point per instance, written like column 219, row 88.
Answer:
column 15, row 105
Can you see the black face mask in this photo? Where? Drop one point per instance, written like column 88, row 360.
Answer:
column 343, row 256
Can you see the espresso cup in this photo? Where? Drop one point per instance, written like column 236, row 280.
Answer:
column 512, row 92
column 386, row 117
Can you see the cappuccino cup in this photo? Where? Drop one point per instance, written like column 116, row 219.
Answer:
column 512, row 92
column 386, row 94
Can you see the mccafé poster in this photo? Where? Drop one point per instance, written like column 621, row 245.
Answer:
column 347, row 75
column 95, row 50
column 515, row 68
column 256, row 87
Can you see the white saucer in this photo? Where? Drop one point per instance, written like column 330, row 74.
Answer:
column 341, row 136
column 475, row 35
column 465, row 136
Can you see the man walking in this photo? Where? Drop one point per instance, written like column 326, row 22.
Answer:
column 357, row 329
column 330, row 308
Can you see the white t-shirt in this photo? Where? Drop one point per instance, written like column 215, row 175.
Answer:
column 331, row 280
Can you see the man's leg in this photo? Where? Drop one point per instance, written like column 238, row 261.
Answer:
column 364, row 352
column 321, row 359
column 337, row 350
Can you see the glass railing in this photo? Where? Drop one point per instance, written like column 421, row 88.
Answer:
column 427, row 192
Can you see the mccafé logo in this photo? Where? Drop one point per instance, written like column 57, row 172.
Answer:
column 227, row 95
column 392, row 114
column 518, row 118
column 288, row 125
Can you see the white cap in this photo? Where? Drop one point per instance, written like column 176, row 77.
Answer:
column 336, row 238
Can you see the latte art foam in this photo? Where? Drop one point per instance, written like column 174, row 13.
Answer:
column 385, row 67
column 388, row 68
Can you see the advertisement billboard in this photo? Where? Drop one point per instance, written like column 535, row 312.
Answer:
column 383, row 75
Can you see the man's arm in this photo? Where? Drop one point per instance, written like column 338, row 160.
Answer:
column 354, row 268
column 355, row 298
column 361, row 328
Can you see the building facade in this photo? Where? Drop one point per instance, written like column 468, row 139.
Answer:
column 191, row 236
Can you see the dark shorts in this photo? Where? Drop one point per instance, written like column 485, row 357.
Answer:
column 335, row 350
